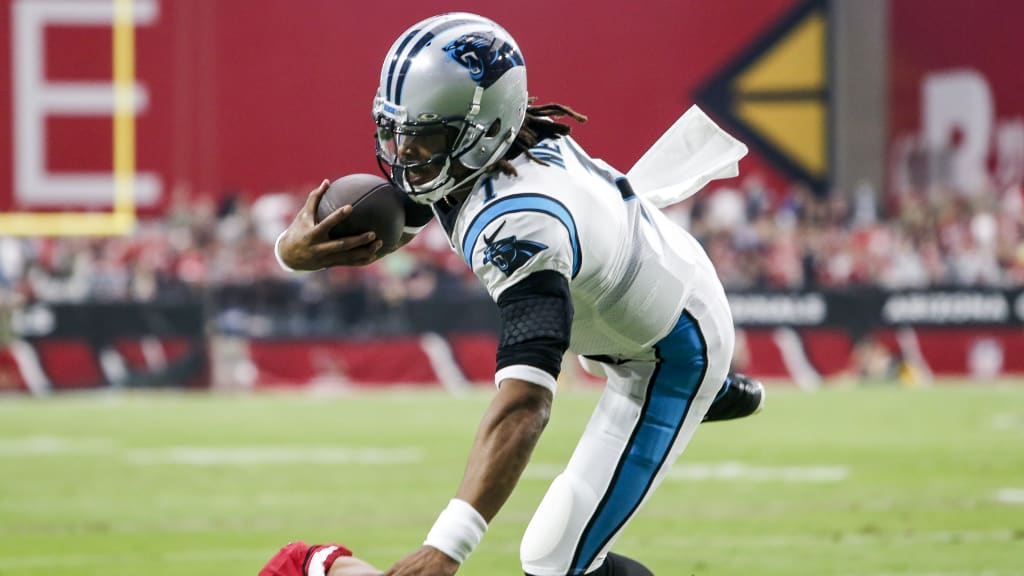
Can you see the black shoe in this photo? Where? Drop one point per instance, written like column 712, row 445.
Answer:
column 740, row 397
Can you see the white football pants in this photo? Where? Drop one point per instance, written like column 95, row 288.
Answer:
column 644, row 420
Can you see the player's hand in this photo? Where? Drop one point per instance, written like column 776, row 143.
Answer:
column 427, row 561
column 306, row 245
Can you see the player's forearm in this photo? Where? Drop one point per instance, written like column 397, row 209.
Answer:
column 505, row 440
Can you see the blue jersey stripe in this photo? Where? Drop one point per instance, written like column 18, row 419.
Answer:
column 682, row 365
column 522, row 203
column 550, row 159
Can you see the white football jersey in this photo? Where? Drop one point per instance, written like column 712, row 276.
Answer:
column 631, row 270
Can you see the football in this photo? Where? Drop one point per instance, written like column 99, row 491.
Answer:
column 377, row 207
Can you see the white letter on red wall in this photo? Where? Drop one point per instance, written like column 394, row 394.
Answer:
column 36, row 98
column 960, row 99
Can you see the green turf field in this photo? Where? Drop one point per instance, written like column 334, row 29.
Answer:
column 856, row 482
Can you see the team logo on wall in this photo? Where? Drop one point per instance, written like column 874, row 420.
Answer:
column 777, row 94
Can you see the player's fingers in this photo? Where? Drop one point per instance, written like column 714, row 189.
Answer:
column 347, row 244
column 365, row 254
column 357, row 257
column 333, row 218
column 314, row 197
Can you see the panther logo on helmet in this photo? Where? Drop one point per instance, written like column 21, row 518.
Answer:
column 486, row 57
column 457, row 74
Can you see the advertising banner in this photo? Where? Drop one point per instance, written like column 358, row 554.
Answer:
column 70, row 346
column 865, row 308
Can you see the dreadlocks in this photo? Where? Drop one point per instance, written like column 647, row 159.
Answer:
column 538, row 125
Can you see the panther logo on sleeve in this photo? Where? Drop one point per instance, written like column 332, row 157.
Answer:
column 509, row 254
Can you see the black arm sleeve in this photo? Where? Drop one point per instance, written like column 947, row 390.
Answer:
column 416, row 215
column 536, row 320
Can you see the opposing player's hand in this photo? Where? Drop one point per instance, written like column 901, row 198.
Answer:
column 306, row 244
column 427, row 561
column 301, row 559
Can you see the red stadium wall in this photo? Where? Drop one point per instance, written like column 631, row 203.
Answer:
column 956, row 92
column 816, row 355
column 982, row 353
column 258, row 95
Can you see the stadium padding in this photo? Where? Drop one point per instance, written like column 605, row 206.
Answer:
column 10, row 373
column 391, row 361
column 475, row 355
column 69, row 364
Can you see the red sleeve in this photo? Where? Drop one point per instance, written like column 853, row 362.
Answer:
column 295, row 559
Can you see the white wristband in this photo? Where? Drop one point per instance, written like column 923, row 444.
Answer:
column 318, row 562
column 458, row 530
column 280, row 262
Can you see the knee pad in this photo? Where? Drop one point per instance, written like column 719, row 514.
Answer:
column 547, row 530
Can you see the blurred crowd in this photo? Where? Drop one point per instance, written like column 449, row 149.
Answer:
column 758, row 238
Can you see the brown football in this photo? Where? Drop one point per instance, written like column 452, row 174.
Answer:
column 377, row 207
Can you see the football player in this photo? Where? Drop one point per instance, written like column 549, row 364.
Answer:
column 574, row 259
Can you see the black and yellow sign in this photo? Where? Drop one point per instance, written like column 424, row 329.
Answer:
column 777, row 95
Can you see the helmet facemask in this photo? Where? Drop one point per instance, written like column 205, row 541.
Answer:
column 451, row 101
column 418, row 157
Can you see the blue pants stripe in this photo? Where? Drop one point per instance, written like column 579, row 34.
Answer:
column 682, row 360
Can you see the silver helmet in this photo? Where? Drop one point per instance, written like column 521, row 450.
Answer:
column 456, row 82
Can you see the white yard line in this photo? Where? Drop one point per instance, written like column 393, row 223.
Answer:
column 543, row 470
column 44, row 445
column 256, row 455
column 743, row 472
column 1010, row 495
column 105, row 559
column 803, row 540
column 1008, row 421
column 723, row 471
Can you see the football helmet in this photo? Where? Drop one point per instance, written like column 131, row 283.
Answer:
column 452, row 89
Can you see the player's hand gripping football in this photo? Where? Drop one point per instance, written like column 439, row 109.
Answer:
column 306, row 244
column 426, row 561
